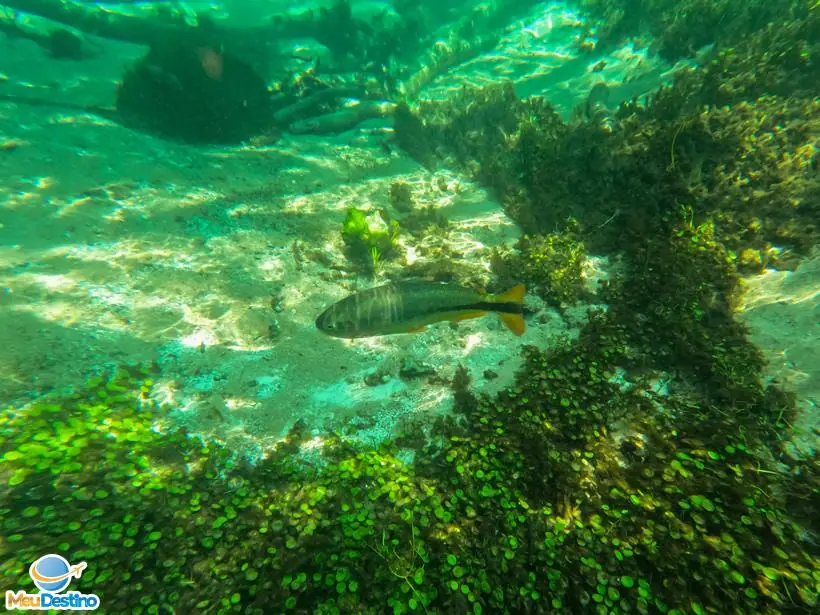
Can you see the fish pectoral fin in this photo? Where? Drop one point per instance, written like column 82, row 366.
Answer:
column 514, row 322
column 421, row 329
column 466, row 315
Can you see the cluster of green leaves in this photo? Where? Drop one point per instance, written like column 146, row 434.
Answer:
column 685, row 286
column 648, row 502
column 551, row 266
column 369, row 236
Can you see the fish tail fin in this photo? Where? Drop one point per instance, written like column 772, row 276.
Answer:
column 514, row 321
column 514, row 295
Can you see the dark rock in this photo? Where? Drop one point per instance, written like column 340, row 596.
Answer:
column 197, row 94
column 411, row 369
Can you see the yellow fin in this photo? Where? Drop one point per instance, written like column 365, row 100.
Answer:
column 514, row 322
column 514, row 295
column 417, row 329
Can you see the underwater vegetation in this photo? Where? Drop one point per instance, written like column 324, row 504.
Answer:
column 572, row 491
column 641, row 467
column 550, row 265
column 369, row 236
column 401, row 197
column 679, row 28
column 733, row 142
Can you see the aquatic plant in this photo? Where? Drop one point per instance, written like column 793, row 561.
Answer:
column 684, row 147
column 682, row 27
column 401, row 197
column 550, row 265
column 583, row 452
column 561, row 493
column 640, row 467
column 412, row 136
column 514, row 147
column 458, row 125
column 369, row 236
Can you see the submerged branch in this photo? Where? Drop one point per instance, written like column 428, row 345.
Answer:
column 107, row 24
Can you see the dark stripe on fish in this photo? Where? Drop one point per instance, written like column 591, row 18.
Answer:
column 485, row 306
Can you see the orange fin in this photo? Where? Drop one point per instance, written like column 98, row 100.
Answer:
column 514, row 295
column 514, row 322
column 417, row 329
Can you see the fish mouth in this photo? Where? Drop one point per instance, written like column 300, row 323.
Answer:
column 323, row 325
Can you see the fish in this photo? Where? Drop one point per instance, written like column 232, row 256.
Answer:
column 212, row 62
column 410, row 306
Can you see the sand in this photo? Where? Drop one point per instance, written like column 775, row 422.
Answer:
column 782, row 311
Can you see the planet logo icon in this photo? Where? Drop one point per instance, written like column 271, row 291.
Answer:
column 52, row 573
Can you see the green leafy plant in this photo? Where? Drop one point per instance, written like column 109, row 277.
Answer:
column 550, row 265
column 369, row 236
